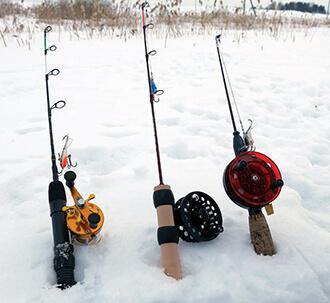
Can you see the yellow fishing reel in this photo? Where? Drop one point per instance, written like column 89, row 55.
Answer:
column 84, row 219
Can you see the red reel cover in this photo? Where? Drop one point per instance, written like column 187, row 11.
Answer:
column 252, row 180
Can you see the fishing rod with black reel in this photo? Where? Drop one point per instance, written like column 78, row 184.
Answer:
column 195, row 217
column 251, row 180
column 81, row 223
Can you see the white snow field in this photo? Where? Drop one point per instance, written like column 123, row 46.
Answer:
column 282, row 84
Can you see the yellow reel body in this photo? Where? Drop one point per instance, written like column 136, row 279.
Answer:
column 79, row 226
column 84, row 219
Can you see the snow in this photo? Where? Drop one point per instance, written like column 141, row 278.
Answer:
column 281, row 83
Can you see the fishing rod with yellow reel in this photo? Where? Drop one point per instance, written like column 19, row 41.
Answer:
column 84, row 219
column 81, row 222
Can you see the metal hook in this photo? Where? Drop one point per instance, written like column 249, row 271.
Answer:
column 54, row 72
column 70, row 162
column 63, row 157
column 69, row 165
column 155, row 95
column 156, row 100
column 58, row 105
column 248, row 139
column 155, row 91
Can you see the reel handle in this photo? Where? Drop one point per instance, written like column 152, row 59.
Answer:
column 70, row 177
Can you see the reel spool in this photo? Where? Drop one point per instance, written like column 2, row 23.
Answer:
column 252, row 180
column 197, row 217
column 84, row 219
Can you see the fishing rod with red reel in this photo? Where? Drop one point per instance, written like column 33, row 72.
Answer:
column 195, row 217
column 251, row 180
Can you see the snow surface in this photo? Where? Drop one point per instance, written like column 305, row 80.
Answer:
column 282, row 84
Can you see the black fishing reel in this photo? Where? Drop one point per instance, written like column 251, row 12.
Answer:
column 252, row 180
column 197, row 217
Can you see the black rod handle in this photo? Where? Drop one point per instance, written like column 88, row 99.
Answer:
column 64, row 261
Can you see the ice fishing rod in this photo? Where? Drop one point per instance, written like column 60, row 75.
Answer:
column 195, row 217
column 167, row 233
column 238, row 142
column 64, row 261
column 153, row 91
column 251, row 180
column 80, row 223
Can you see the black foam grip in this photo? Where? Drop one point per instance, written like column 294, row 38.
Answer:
column 65, row 278
column 163, row 197
column 56, row 191
column 64, row 263
column 167, row 234
column 57, row 197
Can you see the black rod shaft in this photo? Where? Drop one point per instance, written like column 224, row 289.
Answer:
column 54, row 167
column 49, row 112
column 226, row 89
column 151, row 96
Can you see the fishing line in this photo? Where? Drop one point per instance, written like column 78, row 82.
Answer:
column 232, row 92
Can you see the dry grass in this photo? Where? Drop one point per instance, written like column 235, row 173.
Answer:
column 8, row 8
column 90, row 18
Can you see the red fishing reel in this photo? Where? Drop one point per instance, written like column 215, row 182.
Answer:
column 252, row 180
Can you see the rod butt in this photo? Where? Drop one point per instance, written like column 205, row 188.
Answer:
column 168, row 235
column 64, row 261
column 261, row 237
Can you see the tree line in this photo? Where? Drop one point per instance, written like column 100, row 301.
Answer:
column 298, row 6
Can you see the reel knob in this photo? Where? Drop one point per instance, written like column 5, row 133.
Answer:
column 197, row 217
column 252, row 180
column 241, row 165
column 93, row 220
column 70, row 177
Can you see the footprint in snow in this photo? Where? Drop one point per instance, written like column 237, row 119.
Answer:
column 113, row 124
column 118, row 130
column 101, row 160
column 169, row 121
column 149, row 250
column 181, row 151
column 119, row 133
column 36, row 119
column 197, row 111
column 24, row 131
